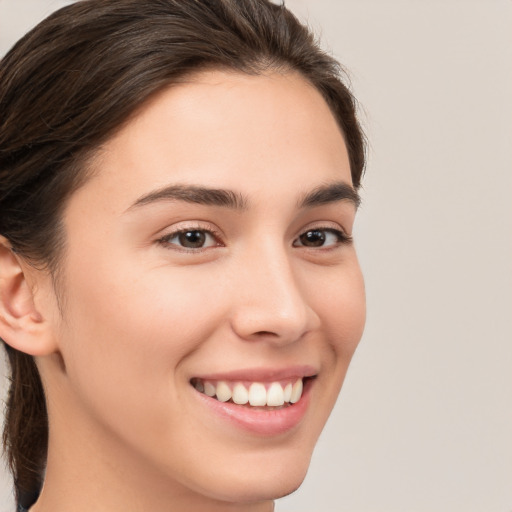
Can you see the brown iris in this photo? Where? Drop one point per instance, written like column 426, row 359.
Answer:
column 192, row 239
column 312, row 238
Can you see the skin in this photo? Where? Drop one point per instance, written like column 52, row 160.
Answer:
column 139, row 315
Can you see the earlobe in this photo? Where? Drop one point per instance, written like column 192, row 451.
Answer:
column 22, row 325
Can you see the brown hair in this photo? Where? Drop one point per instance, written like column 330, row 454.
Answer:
column 71, row 82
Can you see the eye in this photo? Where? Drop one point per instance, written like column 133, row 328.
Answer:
column 321, row 237
column 190, row 239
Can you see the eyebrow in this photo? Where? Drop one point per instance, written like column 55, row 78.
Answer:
column 330, row 193
column 195, row 194
column 324, row 194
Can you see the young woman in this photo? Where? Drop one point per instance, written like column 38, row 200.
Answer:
column 180, row 296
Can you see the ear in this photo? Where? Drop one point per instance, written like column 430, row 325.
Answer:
column 22, row 325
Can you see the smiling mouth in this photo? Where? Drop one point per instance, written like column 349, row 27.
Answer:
column 256, row 395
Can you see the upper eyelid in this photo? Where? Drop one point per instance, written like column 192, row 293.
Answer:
column 170, row 232
column 324, row 225
column 189, row 226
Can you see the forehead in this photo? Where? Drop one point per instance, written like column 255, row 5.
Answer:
column 226, row 129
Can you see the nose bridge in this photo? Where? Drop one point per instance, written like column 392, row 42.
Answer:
column 270, row 303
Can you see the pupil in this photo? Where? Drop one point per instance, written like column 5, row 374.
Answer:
column 192, row 239
column 313, row 238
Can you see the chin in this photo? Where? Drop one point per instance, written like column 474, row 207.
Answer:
column 275, row 479
column 253, row 490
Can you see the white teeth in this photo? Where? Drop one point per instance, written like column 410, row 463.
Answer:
column 275, row 395
column 288, row 392
column 240, row 394
column 296, row 392
column 223, row 391
column 257, row 394
column 209, row 389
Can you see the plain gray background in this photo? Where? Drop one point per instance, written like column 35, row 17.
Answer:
column 424, row 422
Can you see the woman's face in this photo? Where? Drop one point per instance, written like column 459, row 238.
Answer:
column 210, row 253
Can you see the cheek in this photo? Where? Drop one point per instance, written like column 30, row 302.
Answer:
column 341, row 304
column 140, row 308
column 126, row 337
column 351, row 313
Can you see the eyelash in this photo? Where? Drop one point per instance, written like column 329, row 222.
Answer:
column 166, row 239
column 342, row 238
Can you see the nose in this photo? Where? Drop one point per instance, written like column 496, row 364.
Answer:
column 269, row 301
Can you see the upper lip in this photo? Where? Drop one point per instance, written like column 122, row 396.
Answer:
column 262, row 374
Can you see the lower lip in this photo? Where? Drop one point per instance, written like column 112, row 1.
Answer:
column 259, row 421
